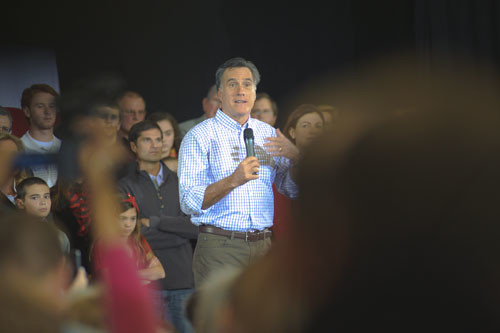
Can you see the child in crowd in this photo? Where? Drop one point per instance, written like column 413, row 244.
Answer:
column 150, row 268
column 33, row 196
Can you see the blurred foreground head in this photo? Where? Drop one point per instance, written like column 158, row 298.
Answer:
column 32, row 275
column 397, row 224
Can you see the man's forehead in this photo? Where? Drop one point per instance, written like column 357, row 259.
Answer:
column 152, row 132
column 232, row 73
column 41, row 95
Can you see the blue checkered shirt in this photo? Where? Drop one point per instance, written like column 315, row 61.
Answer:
column 211, row 151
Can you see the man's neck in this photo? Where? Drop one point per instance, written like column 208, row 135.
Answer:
column 152, row 168
column 44, row 135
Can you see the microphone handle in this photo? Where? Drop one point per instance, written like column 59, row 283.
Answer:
column 250, row 148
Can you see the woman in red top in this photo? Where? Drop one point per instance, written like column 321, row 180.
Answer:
column 150, row 268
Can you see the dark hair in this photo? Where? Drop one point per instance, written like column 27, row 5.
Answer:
column 159, row 116
column 274, row 106
column 236, row 63
column 31, row 246
column 140, row 127
column 298, row 113
column 22, row 186
column 28, row 93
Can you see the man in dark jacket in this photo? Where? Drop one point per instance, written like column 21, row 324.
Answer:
column 167, row 229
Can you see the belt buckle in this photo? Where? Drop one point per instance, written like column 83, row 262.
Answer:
column 246, row 236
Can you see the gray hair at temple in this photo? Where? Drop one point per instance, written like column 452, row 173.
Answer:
column 237, row 62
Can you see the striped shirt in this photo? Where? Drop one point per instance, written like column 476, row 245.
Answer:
column 210, row 152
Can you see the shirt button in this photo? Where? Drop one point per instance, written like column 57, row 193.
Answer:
column 162, row 206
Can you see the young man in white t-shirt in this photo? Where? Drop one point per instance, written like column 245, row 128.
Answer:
column 39, row 106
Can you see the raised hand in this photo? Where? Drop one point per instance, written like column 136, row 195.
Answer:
column 281, row 146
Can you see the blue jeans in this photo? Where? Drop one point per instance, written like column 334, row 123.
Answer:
column 175, row 309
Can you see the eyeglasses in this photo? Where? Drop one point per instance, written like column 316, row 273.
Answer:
column 108, row 116
column 5, row 129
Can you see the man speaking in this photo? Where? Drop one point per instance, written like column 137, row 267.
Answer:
column 227, row 193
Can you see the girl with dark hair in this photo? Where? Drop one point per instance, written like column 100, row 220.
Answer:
column 150, row 268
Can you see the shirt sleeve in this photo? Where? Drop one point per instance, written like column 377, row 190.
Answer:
column 194, row 173
column 283, row 181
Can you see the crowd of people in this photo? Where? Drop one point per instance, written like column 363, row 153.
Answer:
column 383, row 216
column 180, row 189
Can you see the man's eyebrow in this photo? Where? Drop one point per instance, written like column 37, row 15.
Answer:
column 245, row 79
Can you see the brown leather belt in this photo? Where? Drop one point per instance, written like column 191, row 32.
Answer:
column 249, row 236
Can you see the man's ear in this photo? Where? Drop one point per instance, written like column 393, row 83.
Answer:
column 133, row 147
column 20, row 203
column 26, row 112
column 291, row 132
column 204, row 104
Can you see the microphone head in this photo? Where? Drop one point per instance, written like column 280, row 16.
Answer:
column 248, row 133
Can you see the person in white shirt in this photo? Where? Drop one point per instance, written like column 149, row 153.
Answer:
column 38, row 103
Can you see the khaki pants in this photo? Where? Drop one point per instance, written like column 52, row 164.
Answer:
column 214, row 252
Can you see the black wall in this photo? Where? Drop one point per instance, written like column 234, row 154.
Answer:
column 169, row 50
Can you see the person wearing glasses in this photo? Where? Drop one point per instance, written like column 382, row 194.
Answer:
column 132, row 111
column 265, row 109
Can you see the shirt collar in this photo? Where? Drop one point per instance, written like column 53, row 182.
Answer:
column 230, row 123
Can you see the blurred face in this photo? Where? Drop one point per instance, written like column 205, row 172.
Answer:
column 309, row 126
column 109, row 121
column 5, row 125
column 128, row 221
column 37, row 200
column 237, row 93
column 149, row 146
column 211, row 105
column 263, row 110
column 8, row 150
column 328, row 117
column 133, row 110
column 168, row 137
column 42, row 111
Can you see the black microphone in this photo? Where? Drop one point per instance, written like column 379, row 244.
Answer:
column 248, row 135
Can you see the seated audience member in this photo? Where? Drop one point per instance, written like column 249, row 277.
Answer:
column 33, row 196
column 210, row 104
column 39, row 106
column 171, row 138
column 132, row 110
column 265, row 109
column 167, row 229
column 10, row 146
column 330, row 113
column 5, row 121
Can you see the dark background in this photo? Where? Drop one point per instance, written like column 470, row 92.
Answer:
column 169, row 50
